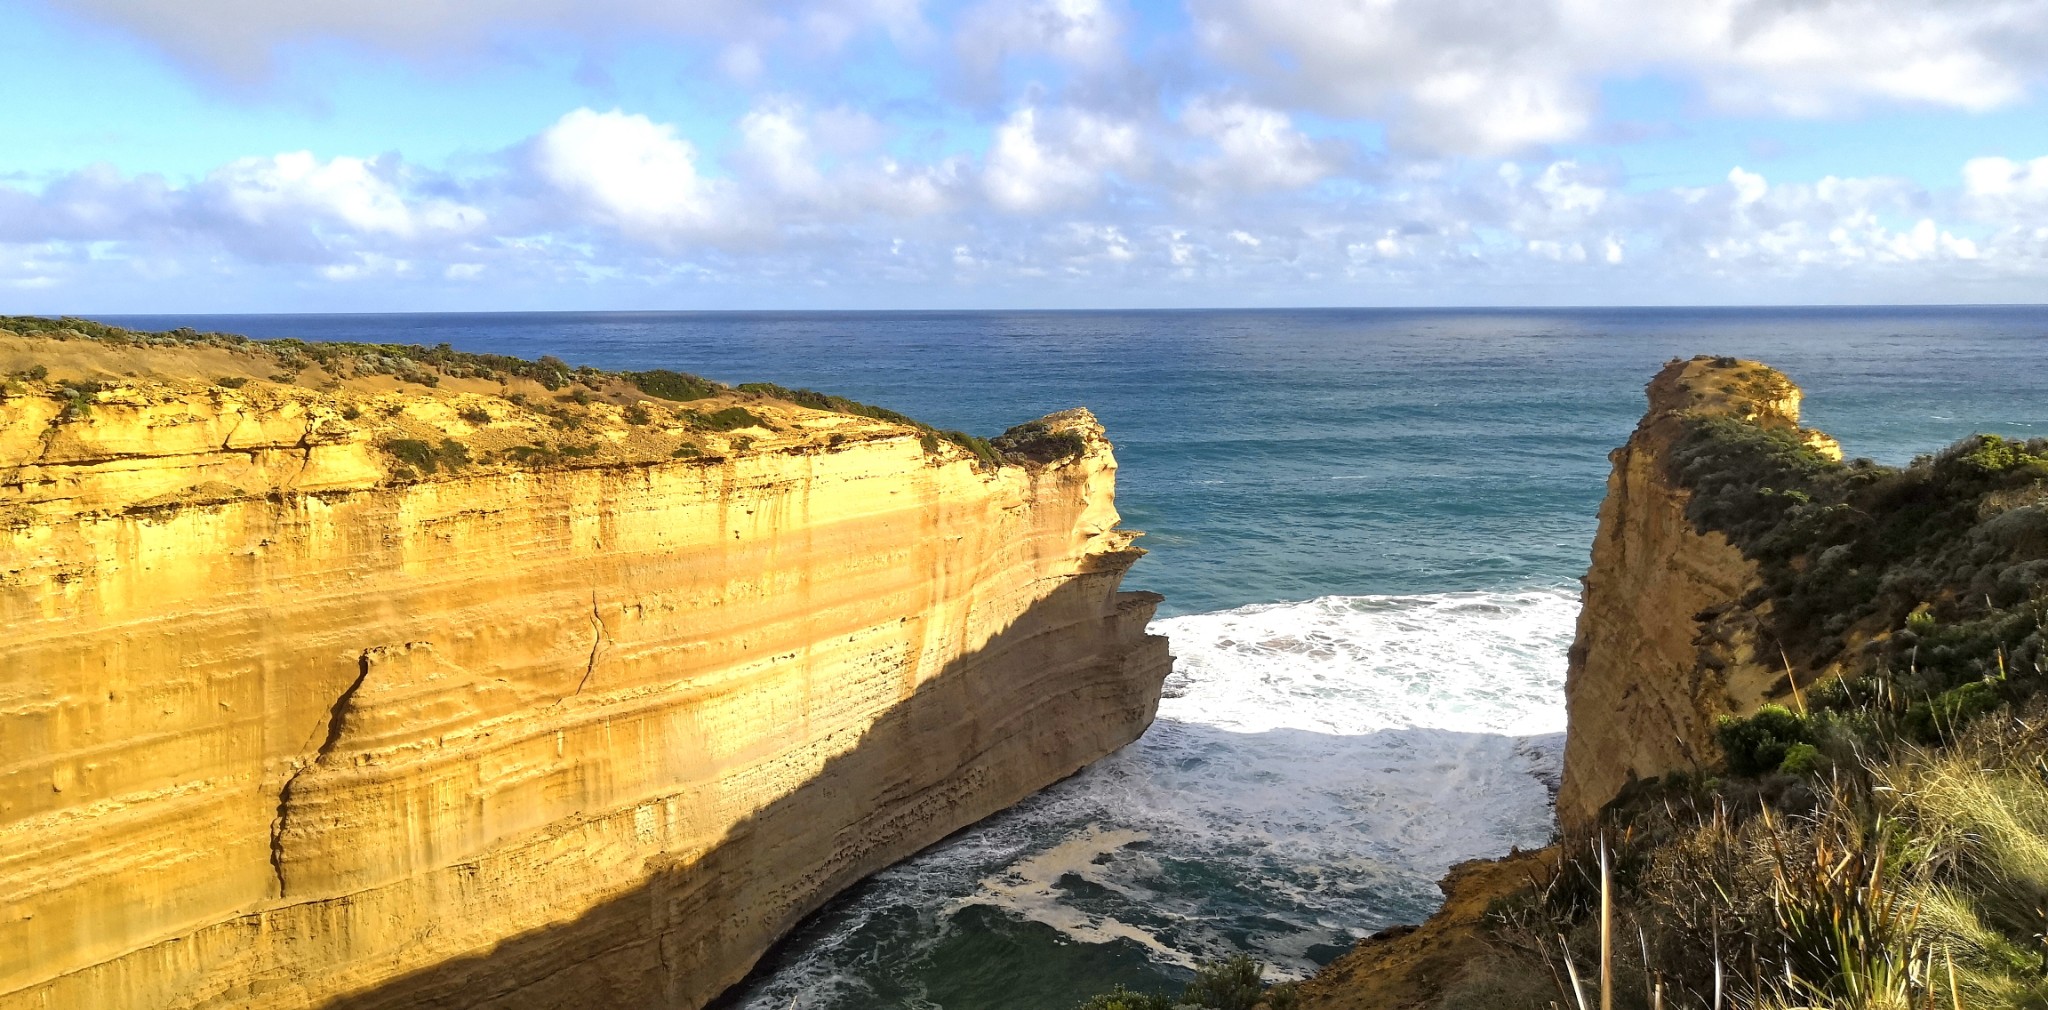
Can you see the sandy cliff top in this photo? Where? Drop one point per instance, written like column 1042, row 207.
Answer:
column 82, row 404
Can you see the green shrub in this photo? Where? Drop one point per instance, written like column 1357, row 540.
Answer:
column 824, row 401
column 1947, row 713
column 475, row 415
column 1121, row 998
column 929, row 440
column 1990, row 454
column 78, row 400
column 1759, row 743
column 686, row 452
column 231, row 381
column 678, row 386
column 983, row 453
column 1801, row 759
column 1233, row 984
column 637, row 414
column 728, row 419
column 1920, row 621
column 428, row 458
column 1037, row 442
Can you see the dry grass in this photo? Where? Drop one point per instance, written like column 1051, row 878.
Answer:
column 1913, row 883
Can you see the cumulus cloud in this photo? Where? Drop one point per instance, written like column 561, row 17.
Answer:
column 242, row 40
column 825, row 165
column 1083, row 33
column 628, row 172
column 363, row 196
column 1478, row 77
column 1256, row 147
column 1080, row 198
column 1044, row 160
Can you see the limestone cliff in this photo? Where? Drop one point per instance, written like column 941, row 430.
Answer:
column 1666, row 641
column 327, row 687
column 1674, row 633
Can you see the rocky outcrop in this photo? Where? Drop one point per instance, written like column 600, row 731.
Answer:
column 1422, row 967
column 1668, row 640
column 302, row 706
column 1672, row 635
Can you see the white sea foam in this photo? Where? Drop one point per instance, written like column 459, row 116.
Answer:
column 1314, row 768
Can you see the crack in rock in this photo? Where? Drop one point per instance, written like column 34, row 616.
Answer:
column 337, row 716
column 596, row 643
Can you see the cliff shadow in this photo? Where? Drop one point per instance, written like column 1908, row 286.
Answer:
column 1289, row 844
column 1070, row 680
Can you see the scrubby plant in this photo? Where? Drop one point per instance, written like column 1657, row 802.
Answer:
column 78, row 399
column 984, row 454
column 1759, row 743
column 1121, row 998
column 1233, row 983
column 727, row 419
column 1991, row 454
column 637, row 414
column 824, row 401
column 1037, row 442
column 667, row 385
column 474, row 414
column 427, row 457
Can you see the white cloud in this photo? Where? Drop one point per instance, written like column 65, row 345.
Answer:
column 1090, row 202
column 628, row 172
column 1082, row 33
column 1256, row 147
column 1997, row 188
column 364, row 196
column 1477, row 77
column 1054, row 160
column 242, row 40
column 822, row 164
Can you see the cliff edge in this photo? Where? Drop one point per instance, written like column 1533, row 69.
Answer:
column 1673, row 634
column 381, row 678
column 1667, row 640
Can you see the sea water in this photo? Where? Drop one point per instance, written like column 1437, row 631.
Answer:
column 1368, row 525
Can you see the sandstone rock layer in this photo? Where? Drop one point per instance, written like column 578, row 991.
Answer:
column 279, row 731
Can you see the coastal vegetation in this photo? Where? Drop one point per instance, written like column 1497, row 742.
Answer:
column 325, row 364
column 1879, row 842
column 1234, row 983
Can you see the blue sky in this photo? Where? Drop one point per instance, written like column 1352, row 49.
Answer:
column 216, row 155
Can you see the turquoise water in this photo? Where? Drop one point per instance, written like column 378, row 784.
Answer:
column 1368, row 526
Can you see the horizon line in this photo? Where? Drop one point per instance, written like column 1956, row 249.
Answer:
column 1072, row 310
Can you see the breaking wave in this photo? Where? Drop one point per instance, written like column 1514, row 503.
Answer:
column 1314, row 769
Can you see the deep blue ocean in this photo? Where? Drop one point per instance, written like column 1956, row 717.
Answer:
column 1368, row 525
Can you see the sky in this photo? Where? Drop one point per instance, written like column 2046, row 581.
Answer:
column 427, row 155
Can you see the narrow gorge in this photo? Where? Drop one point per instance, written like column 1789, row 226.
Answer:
column 348, row 679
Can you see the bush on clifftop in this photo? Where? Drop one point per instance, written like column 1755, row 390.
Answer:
column 1235, row 983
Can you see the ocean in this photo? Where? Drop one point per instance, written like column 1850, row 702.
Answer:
column 1368, row 525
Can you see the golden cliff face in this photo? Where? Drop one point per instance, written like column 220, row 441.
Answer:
column 286, row 722
column 1666, row 644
